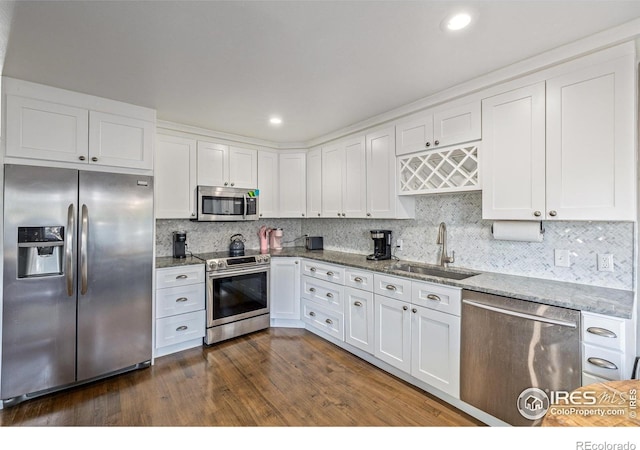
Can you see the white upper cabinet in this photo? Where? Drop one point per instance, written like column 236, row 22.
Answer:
column 213, row 160
column 332, row 178
column 51, row 124
column 282, row 196
column 513, row 158
column 292, row 186
column 243, row 167
column 268, row 183
column 344, row 178
column 439, row 127
column 175, row 177
column 562, row 149
column 42, row 130
column 222, row 165
column 381, row 175
column 120, row 141
column 314, row 183
column 590, row 143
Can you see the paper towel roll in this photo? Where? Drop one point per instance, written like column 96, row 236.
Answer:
column 517, row 230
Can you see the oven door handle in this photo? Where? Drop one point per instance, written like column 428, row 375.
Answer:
column 239, row 271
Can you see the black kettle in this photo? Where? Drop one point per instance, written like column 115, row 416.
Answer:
column 236, row 248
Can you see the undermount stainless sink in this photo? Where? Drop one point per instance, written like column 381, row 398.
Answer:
column 432, row 271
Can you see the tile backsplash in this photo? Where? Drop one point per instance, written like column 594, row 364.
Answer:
column 467, row 235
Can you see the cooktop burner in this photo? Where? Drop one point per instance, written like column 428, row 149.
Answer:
column 216, row 261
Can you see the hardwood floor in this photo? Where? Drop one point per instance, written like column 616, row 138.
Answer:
column 276, row 377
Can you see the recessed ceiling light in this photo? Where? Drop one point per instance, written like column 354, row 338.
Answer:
column 457, row 21
column 275, row 120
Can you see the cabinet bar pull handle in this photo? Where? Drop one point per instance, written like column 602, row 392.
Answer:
column 329, row 274
column 182, row 328
column 181, row 299
column 391, row 287
column 181, row 277
column 329, row 295
column 603, row 363
column 433, row 297
column 357, row 304
column 603, row 332
column 358, row 280
column 312, row 289
column 312, row 314
column 329, row 321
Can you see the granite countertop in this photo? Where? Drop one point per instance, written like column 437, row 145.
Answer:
column 607, row 301
column 162, row 262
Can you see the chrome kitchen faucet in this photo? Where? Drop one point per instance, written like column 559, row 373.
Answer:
column 442, row 240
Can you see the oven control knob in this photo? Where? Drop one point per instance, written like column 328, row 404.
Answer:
column 213, row 265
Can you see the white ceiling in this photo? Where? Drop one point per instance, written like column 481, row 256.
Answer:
column 321, row 65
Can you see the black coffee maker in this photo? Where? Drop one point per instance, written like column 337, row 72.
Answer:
column 381, row 245
column 179, row 244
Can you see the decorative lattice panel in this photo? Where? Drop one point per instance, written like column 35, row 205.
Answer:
column 442, row 170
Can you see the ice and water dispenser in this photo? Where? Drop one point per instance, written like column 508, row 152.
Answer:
column 40, row 251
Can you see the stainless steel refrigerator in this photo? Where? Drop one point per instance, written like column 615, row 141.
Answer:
column 78, row 261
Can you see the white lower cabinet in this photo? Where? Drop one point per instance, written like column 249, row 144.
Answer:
column 284, row 289
column 359, row 309
column 607, row 348
column 435, row 349
column 323, row 319
column 180, row 308
column 420, row 340
column 392, row 335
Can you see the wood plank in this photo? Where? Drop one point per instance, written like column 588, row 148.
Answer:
column 275, row 377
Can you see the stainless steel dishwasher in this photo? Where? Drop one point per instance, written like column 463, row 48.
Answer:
column 508, row 346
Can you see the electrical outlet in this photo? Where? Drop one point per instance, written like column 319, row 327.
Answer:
column 399, row 244
column 562, row 258
column 605, row 262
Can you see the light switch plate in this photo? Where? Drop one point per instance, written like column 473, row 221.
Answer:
column 562, row 258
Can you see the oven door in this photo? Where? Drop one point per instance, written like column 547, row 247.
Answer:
column 236, row 295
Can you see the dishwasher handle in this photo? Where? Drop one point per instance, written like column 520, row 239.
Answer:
column 521, row 315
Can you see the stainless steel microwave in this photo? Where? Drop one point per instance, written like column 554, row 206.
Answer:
column 224, row 204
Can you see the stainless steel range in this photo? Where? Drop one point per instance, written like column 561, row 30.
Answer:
column 237, row 298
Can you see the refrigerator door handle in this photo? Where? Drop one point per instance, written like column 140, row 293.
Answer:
column 71, row 232
column 83, row 250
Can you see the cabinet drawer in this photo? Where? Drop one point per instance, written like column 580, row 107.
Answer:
column 179, row 276
column 330, row 295
column 392, row 287
column 603, row 331
column 179, row 300
column 322, row 319
column 181, row 328
column 359, row 279
column 436, row 296
column 595, row 359
column 323, row 271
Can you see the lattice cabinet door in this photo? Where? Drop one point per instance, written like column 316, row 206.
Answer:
column 450, row 169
